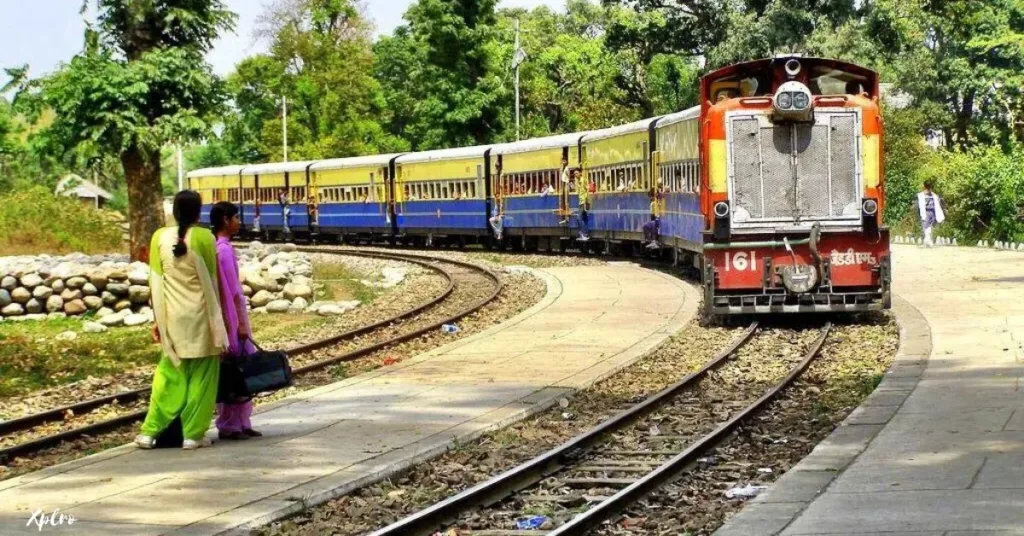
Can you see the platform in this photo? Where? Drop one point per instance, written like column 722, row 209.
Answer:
column 938, row 448
column 322, row 443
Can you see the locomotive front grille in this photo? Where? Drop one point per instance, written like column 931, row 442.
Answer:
column 795, row 172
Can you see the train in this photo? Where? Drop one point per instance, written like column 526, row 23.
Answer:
column 773, row 187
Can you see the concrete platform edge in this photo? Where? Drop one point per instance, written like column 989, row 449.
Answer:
column 778, row 506
column 340, row 484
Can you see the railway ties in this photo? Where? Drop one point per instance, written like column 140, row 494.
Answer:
column 469, row 288
column 598, row 475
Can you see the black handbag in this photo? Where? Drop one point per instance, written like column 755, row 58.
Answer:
column 248, row 375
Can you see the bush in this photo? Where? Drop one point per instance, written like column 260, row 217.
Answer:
column 35, row 221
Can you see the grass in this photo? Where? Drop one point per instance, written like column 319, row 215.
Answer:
column 339, row 283
column 32, row 358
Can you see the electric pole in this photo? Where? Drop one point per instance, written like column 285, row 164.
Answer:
column 181, row 171
column 518, row 57
column 284, row 124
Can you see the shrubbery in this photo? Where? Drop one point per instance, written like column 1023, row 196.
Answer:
column 35, row 221
column 982, row 189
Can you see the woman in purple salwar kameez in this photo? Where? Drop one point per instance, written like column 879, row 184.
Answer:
column 232, row 417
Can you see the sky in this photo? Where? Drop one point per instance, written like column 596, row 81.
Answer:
column 43, row 33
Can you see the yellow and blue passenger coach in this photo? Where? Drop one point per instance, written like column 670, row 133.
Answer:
column 442, row 194
column 528, row 188
column 215, row 185
column 351, row 197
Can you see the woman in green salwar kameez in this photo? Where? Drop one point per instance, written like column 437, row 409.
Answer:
column 183, row 285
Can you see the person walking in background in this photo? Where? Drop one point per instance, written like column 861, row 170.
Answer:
column 189, row 327
column 232, row 416
column 930, row 208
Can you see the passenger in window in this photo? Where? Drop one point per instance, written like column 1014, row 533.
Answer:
column 622, row 181
column 547, row 190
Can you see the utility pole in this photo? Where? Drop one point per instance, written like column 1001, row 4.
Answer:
column 181, row 171
column 518, row 57
column 284, row 124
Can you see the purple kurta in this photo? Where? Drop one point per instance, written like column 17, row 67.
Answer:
column 232, row 417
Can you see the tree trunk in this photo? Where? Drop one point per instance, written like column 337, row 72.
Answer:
column 145, row 198
column 963, row 119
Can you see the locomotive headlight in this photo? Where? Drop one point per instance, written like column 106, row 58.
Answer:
column 721, row 209
column 870, row 207
column 793, row 102
column 801, row 100
column 785, row 101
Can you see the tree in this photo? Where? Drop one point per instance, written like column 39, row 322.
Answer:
column 140, row 82
column 456, row 92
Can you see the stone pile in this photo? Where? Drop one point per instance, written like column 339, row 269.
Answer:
column 36, row 288
column 279, row 280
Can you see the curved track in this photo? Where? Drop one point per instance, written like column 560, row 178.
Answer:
column 461, row 277
column 606, row 459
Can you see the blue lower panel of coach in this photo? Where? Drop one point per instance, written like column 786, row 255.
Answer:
column 204, row 215
column 683, row 218
column 535, row 211
column 352, row 216
column 470, row 214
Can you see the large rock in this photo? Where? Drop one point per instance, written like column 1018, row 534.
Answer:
column 94, row 327
column 112, row 320
column 5, row 298
column 108, row 298
column 71, row 294
column 8, row 283
column 118, row 289
column 278, row 272
column 34, row 307
column 104, row 311
column 117, row 273
column 123, row 305
column 138, row 277
column 58, row 286
column 75, row 307
column 93, row 302
column 42, row 292
column 330, row 309
column 138, row 294
column 304, row 270
column 98, row 279
column 279, row 306
column 54, row 304
column 299, row 304
column 31, row 281
column 261, row 299
column 247, row 291
column 76, row 282
column 21, row 295
column 292, row 291
column 68, row 270
column 289, row 247
column 89, row 289
column 135, row 320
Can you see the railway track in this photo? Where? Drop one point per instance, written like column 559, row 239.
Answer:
column 597, row 475
column 469, row 288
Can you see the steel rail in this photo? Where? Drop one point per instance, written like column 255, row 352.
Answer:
column 436, row 517
column 604, row 510
column 27, row 422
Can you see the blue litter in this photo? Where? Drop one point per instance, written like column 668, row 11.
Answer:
column 450, row 328
column 531, row 523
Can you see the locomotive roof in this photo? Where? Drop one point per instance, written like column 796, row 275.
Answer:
column 685, row 115
column 762, row 63
column 353, row 162
column 629, row 128
column 215, row 171
column 444, row 154
column 536, row 144
column 277, row 167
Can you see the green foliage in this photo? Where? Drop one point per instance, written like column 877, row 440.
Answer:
column 34, row 221
column 984, row 193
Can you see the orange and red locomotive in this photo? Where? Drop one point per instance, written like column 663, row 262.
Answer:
column 793, row 188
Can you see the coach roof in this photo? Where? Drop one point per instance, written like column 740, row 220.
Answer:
column 445, row 154
column 274, row 168
column 354, row 162
column 215, row 172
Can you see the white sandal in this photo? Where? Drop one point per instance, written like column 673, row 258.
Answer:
column 145, row 442
column 192, row 444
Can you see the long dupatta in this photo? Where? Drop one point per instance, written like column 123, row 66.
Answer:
column 166, row 238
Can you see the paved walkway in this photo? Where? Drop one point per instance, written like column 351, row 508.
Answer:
column 938, row 449
column 321, row 443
